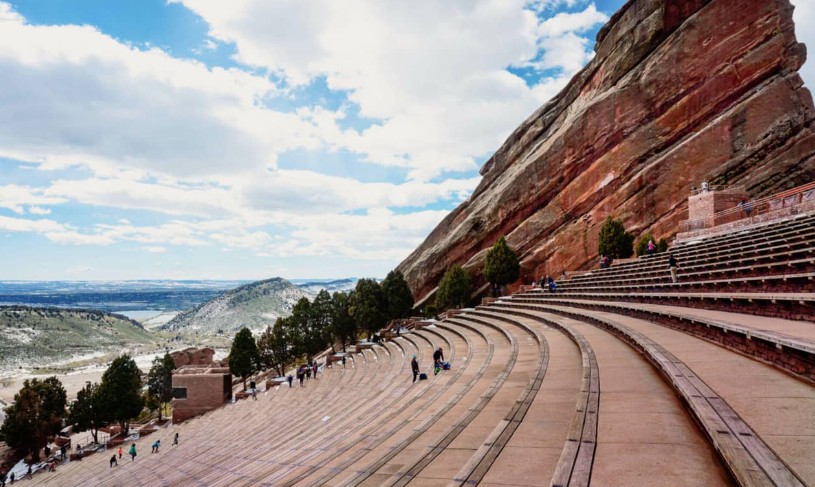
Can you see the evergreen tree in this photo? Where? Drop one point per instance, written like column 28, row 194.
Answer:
column 398, row 298
column 243, row 356
column 35, row 414
column 501, row 265
column 120, row 392
column 343, row 326
column 87, row 410
column 368, row 306
column 160, row 381
column 321, row 320
column 274, row 347
column 615, row 242
column 454, row 289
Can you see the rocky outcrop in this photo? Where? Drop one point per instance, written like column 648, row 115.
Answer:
column 193, row 356
column 679, row 91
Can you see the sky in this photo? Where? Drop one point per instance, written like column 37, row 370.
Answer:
column 204, row 139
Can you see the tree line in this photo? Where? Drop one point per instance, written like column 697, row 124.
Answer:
column 40, row 409
column 330, row 320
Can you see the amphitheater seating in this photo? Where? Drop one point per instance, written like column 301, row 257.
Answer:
column 593, row 384
column 768, row 270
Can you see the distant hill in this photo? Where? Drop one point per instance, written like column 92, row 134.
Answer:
column 253, row 305
column 38, row 336
column 315, row 286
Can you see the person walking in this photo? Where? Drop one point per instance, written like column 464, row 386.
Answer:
column 113, row 461
column 414, row 365
column 301, row 376
column 343, row 361
column 672, row 267
column 2, row 478
column 62, row 451
column 156, row 444
column 28, row 474
column 119, row 451
column 175, row 439
column 314, row 369
column 11, row 478
column 289, row 379
column 132, row 452
column 651, row 247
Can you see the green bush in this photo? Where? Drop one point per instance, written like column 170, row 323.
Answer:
column 642, row 244
column 662, row 245
column 615, row 242
column 454, row 289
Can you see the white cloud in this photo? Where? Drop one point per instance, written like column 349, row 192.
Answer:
column 73, row 95
column 440, row 87
column 15, row 198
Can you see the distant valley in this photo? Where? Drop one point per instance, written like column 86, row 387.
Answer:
column 67, row 321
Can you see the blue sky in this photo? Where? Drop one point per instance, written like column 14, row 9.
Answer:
column 190, row 139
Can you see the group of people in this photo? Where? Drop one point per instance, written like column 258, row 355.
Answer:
column 305, row 371
column 548, row 282
column 114, row 459
column 438, row 364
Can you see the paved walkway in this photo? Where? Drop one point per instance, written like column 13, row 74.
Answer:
column 645, row 436
column 779, row 408
column 530, row 457
column 802, row 330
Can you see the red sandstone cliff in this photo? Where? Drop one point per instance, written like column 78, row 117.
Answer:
column 678, row 92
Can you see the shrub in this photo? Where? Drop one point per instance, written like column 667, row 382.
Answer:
column 501, row 264
column 662, row 245
column 615, row 242
column 454, row 288
column 642, row 244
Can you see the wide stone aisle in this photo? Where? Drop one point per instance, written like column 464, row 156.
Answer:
column 779, row 407
column 645, row 436
column 531, row 455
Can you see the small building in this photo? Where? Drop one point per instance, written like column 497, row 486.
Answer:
column 198, row 389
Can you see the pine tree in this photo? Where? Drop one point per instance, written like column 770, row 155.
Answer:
column 160, row 381
column 120, row 392
column 368, row 306
column 501, row 265
column 398, row 298
column 35, row 414
column 614, row 241
column 343, row 326
column 274, row 348
column 243, row 356
column 87, row 410
column 454, row 289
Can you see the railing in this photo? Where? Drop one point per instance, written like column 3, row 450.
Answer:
column 789, row 199
column 718, row 187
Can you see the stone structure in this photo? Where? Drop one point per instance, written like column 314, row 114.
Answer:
column 199, row 389
column 704, row 205
column 193, row 356
column 678, row 92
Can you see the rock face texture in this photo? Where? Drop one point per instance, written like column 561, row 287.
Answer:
column 679, row 91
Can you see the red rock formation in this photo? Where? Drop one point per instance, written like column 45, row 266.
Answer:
column 679, row 91
column 193, row 356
